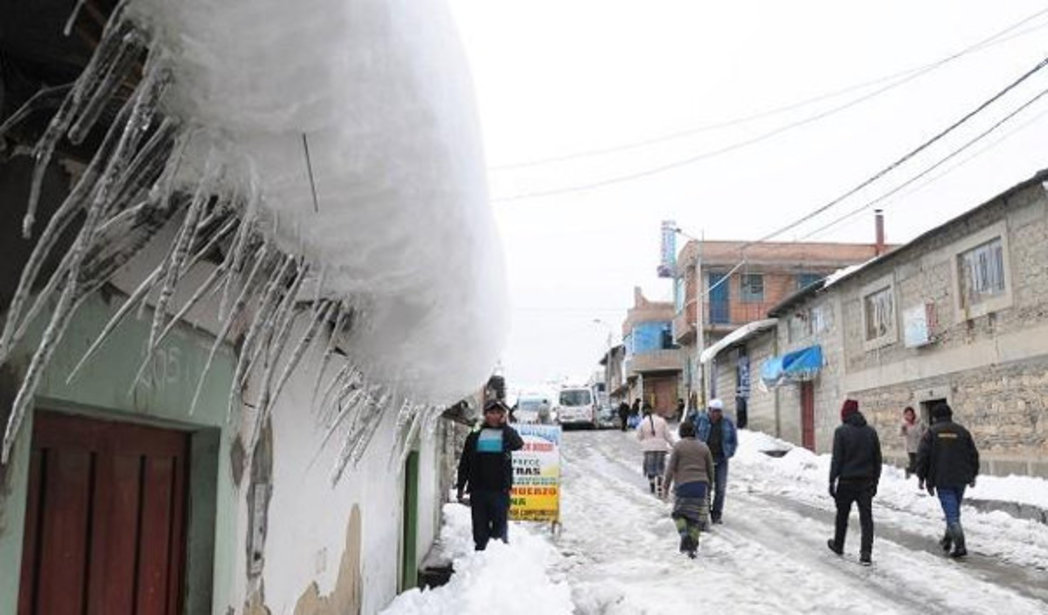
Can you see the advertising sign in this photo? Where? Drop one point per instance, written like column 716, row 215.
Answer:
column 668, row 259
column 536, row 475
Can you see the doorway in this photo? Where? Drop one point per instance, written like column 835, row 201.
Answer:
column 105, row 518
column 409, row 536
column 926, row 409
column 808, row 415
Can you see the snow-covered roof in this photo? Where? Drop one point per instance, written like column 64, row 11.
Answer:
column 737, row 336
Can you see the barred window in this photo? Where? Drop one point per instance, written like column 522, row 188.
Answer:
column 879, row 311
column 981, row 272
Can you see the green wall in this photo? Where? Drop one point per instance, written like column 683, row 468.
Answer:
column 103, row 389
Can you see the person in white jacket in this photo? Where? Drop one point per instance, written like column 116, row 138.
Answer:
column 655, row 441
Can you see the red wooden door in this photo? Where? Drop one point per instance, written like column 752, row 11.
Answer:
column 808, row 415
column 105, row 518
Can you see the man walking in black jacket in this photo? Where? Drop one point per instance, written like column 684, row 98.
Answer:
column 485, row 471
column 855, row 470
column 947, row 461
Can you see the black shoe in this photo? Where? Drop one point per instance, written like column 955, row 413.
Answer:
column 864, row 559
column 716, row 521
column 651, row 486
column 692, row 554
column 946, row 542
column 833, row 547
column 959, row 552
column 683, row 544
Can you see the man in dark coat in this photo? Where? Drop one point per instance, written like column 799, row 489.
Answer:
column 947, row 461
column 855, row 470
column 624, row 414
column 485, row 471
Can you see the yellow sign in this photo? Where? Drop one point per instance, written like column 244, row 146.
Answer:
column 536, row 474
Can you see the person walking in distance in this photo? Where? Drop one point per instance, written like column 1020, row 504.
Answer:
column 718, row 432
column 911, row 432
column 855, row 470
column 690, row 468
column 655, row 441
column 947, row 462
column 624, row 414
column 485, row 471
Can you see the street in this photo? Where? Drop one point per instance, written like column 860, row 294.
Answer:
column 619, row 549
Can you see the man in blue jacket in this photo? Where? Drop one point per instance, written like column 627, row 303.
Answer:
column 718, row 432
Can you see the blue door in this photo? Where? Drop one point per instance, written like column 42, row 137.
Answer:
column 719, row 297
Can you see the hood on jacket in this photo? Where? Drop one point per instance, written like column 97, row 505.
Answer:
column 855, row 419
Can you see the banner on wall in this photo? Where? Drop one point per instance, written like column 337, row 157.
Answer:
column 536, row 474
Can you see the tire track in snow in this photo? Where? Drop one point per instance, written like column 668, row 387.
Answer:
column 620, row 549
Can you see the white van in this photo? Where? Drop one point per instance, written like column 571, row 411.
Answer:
column 576, row 406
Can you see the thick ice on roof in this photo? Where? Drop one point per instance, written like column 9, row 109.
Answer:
column 380, row 95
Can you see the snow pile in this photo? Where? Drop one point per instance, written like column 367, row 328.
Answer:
column 379, row 95
column 326, row 154
column 504, row 578
column 800, row 464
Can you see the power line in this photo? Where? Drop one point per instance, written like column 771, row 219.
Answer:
column 908, row 75
column 906, row 157
column 931, row 168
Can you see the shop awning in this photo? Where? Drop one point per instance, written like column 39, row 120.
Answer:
column 797, row 366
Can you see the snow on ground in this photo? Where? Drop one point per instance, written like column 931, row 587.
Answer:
column 617, row 551
column 502, row 579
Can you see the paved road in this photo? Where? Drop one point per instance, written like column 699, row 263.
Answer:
column 619, row 552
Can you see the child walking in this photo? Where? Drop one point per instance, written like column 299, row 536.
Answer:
column 690, row 467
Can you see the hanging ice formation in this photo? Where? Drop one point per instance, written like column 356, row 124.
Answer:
column 385, row 249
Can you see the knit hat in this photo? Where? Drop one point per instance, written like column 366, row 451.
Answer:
column 942, row 411
column 716, row 404
column 848, row 408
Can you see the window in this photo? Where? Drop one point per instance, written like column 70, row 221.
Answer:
column 981, row 273
column 751, row 287
column 819, row 318
column 575, row 397
column 805, row 280
column 798, row 327
column 879, row 313
column 679, row 292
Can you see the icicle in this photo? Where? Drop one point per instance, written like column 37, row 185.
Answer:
column 198, row 294
column 329, row 349
column 289, row 368
column 49, row 238
column 228, row 323
column 44, row 98
column 336, row 383
column 132, row 44
column 179, row 254
column 139, row 293
column 319, row 318
column 407, row 444
column 252, row 347
column 235, row 258
column 63, row 314
column 66, row 114
column 72, row 18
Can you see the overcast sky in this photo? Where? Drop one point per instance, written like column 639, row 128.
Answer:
column 554, row 78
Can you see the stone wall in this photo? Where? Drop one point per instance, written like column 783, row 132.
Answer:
column 991, row 367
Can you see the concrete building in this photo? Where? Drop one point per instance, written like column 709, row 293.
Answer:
column 653, row 363
column 613, row 371
column 959, row 314
column 736, row 283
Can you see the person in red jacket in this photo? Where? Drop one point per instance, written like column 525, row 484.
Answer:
column 485, row 471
